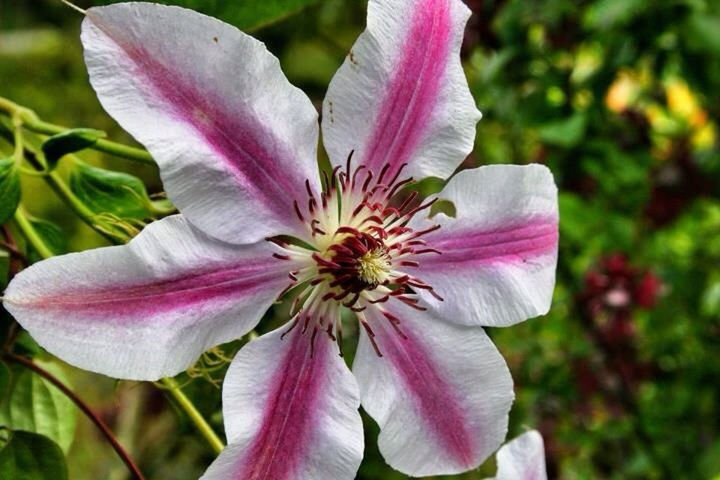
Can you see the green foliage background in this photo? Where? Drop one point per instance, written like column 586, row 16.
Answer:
column 620, row 98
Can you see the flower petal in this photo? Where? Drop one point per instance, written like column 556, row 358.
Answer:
column 291, row 412
column 499, row 253
column 401, row 96
column 234, row 140
column 441, row 396
column 147, row 309
column 522, row 459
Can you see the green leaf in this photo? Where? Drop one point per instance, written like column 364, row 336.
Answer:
column 105, row 191
column 9, row 188
column 607, row 14
column 70, row 141
column 245, row 14
column 51, row 234
column 29, row 456
column 565, row 133
column 702, row 33
column 38, row 406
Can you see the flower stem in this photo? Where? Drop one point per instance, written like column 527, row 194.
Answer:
column 196, row 417
column 122, row 453
column 31, row 121
column 32, row 236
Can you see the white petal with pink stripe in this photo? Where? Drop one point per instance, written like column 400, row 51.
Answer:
column 148, row 309
column 440, row 392
column 523, row 458
column 498, row 255
column 291, row 412
column 401, row 95
column 234, row 140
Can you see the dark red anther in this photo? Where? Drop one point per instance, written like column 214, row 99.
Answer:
column 358, row 209
column 324, row 262
column 354, row 178
column 395, row 322
column 428, row 250
column 409, row 263
column 342, row 249
column 383, row 171
column 334, row 177
column 411, row 302
column 312, row 342
column 309, row 190
column 329, row 332
column 348, row 162
column 297, row 211
column 339, row 340
column 352, row 301
column 371, row 336
column 421, row 207
column 351, row 230
column 397, row 187
column 294, row 324
column 397, row 174
column 373, row 218
column 382, row 299
column 368, row 178
column 408, row 200
column 420, row 233
column 280, row 256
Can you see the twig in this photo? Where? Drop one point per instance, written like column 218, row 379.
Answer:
column 31, row 121
column 124, row 456
column 170, row 385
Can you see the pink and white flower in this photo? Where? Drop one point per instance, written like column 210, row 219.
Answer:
column 236, row 146
column 523, row 458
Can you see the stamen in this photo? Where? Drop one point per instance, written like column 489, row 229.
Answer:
column 358, row 242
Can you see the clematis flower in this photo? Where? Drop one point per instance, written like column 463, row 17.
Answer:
column 236, row 147
column 523, row 458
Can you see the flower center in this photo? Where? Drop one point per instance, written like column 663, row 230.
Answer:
column 360, row 252
column 374, row 267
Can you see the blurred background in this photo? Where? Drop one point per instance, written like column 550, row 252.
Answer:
column 619, row 98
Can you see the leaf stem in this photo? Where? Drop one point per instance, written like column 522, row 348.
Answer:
column 196, row 417
column 31, row 121
column 56, row 182
column 32, row 236
column 122, row 453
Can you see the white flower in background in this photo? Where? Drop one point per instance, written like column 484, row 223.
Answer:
column 236, row 146
column 523, row 458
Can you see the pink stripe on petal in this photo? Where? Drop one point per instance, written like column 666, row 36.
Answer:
column 286, row 433
column 413, row 91
column 133, row 303
column 433, row 396
column 509, row 243
column 246, row 146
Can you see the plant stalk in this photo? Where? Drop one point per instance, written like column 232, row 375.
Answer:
column 195, row 416
column 31, row 121
column 32, row 236
column 104, row 429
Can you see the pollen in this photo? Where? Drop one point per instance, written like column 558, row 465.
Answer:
column 374, row 267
